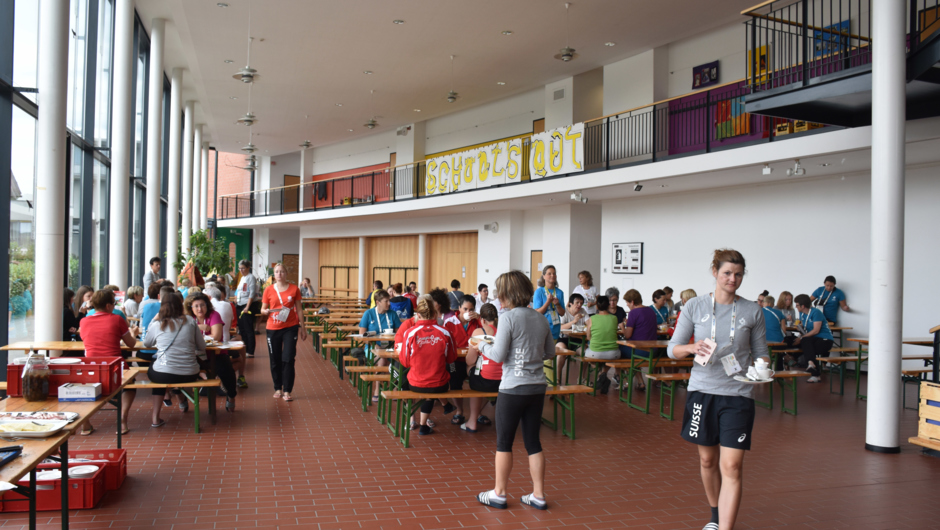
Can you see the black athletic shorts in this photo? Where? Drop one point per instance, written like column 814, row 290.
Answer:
column 480, row 384
column 459, row 375
column 712, row 420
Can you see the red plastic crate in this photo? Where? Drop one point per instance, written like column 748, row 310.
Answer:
column 84, row 493
column 114, row 462
column 104, row 370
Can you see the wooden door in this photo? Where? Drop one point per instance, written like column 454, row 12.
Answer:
column 538, row 126
column 291, row 195
column 450, row 257
column 535, row 270
column 393, row 160
column 292, row 264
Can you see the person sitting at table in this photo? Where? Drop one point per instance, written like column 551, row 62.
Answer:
column 668, row 303
column 376, row 287
column 659, row 307
column 816, row 340
column 116, row 311
column 399, row 304
column 482, row 296
column 684, row 297
column 410, row 295
column 413, row 287
column 210, row 323
column 575, row 315
column 426, row 351
column 70, row 322
column 774, row 320
column 485, row 373
column 102, row 334
column 461, row 326
column 306, row 289
column 785, row 305
column 761, row 296
column 587, row 291
column 184, row 287
column 830, row 299
column 441, row 305
column 640, row 325
column 602, row 333
column 135, row 294
column 226, row 310
column 377, row 320
column 178, row 342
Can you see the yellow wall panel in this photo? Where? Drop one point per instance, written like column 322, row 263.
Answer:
column 339, row 252
column 393, row 251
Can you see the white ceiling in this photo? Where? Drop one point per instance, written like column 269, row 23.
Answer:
column 311, row 55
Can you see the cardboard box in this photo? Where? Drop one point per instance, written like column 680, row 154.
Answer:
column 801, row 126
column 784, row 128
column 80, row 392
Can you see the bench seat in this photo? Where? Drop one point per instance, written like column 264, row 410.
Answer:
column 194, row 398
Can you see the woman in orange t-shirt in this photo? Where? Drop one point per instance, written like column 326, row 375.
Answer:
column 281, row 303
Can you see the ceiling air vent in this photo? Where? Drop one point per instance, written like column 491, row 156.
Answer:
column 559, row 94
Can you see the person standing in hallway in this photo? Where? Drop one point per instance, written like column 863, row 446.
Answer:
column 455, row 295
column 282, row 304
column 245, row 296
column 719, row 411
column 587, row 291
column 829, row 299
column 154, row 273
column 550, row 300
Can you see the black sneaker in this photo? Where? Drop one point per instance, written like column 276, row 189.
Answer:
column 603, row 383
column 450, row 407
column 424, row 430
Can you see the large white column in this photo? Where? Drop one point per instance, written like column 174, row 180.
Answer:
column 197, row 175
column 154, row 141
column 204, row 188
column 173, row 174
column 122, row 119
column 302, row 189
column 187, row 185
column 51, row 175
column 422, row 263
column 887, row 226
column 363, row 249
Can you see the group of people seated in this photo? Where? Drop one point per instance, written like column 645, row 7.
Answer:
column 173, row 326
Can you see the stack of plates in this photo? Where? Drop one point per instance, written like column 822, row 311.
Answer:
column 64, row 360
column 49, row 474
column 82, row 471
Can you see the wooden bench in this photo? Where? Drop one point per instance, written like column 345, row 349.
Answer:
column 136, row 360
column 194, row 398
column 334, row 347
column 915, row 375
column 840, row 362
column 355, row 374
column 633, row 367
column 409, row 401
column 368, row 379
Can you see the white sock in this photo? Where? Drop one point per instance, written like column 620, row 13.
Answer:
column 492, row 495
column 535, row 500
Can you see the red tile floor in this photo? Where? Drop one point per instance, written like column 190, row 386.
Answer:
column 321, row 463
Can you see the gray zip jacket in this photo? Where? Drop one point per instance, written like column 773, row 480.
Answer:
column 523, row 343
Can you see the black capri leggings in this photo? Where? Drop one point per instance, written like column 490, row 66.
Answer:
column 282, row 350
column 164, row 378
column 428, row 404
column 511, row 409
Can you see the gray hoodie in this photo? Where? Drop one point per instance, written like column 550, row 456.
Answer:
column 523, row 343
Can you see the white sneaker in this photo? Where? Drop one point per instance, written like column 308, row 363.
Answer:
column 813, row 379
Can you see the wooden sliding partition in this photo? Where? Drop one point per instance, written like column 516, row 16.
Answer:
column 338, row 270
column 450, row 257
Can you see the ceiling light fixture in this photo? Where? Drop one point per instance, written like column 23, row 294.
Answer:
column 452, row 95
column 350, row 130
column 797, row 170
column 222, row 4
column 578, row 197
column 610, row 44
column 398, row 21
column 637, row 186
column 417, row 110
column 248, row 119
column 824, row 164
column 500, row 83
column 567, row 53
column 232, row 97
column 247, row 74
column 306, row 144
column 367, row 72
column 507, row 32
column 371, row 124
column 338, row 104
column 228, row 61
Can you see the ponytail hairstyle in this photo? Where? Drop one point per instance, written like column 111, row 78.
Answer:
column 727, row 255
column 489, row 313
column 425, row 309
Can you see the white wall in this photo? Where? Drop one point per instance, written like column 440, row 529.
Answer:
column 531, row 236
column 310, row 261
column 366, row 151
column 500, row 119
column 588, row 95
column 629, row 83
column 793, row 234
column 286, row 241
column 725, row 44
column 559, row 113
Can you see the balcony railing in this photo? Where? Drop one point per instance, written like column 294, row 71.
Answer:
column 701, row 122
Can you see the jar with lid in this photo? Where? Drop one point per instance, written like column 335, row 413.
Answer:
column 36, row 378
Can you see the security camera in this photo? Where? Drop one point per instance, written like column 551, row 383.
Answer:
column 637, row 186
column 797, row 170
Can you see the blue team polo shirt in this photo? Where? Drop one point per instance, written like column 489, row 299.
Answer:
column 772, row 319
column 538, row 300
column 809, row 320
column 832, row 301
column 373, row 321
column 662, row 314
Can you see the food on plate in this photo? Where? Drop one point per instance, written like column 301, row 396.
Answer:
column 26, row 426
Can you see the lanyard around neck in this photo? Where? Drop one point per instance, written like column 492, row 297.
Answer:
column 826, row 301
column 734, row 311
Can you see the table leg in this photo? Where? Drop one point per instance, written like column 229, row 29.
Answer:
column 196, row 405
column 32, row 499
column 118, row 405
column 858, row 375
column 64, row 454
column 566, row 402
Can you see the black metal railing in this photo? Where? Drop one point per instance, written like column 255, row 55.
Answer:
column 924, row 23
column 794, row 42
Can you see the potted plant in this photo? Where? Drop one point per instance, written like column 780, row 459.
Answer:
column 206, row 255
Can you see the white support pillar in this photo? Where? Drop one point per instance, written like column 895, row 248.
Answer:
column 422, row 263
column 204, row 188
column 187, row 184
column 122, row 119
column 300, row 190
column 887, row 226
column 197, row 175
column 154, row 141
column 173, row 174
column 364, row 289
column 51, row 174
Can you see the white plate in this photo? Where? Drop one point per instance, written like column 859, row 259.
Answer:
column 54, row 427
column 64, row 360
column 49, row 474
column 82, row 471
column 744, row 379
column 475, row 341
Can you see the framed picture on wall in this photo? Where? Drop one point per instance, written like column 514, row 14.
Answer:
column 627, row 258
column 705, row 75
